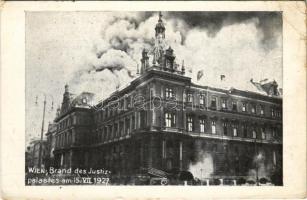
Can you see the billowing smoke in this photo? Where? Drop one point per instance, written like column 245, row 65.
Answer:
column 216, row 43
column 203, row 168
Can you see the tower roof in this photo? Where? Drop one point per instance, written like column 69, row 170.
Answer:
column 160, row 24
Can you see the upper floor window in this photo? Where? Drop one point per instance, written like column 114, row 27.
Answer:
column 115, row 129
column 253, row 108
column 225, row 128
column 272, row 112
column 254, row 134
column 169, row 93
column 170, row 119
column 127, row 126
column 261, row 110
column 202, row 100
column 244, row 107
column 278, row 113
column 213, row 102
column 224, row 103
column 274, row 132
column 190, row 98
column 262, row 133
column 128, row 100
column 235, row 131
column 202, row 125
column 190, row 123
column 234, row 106
column 213, row 127
column 133, row 122
column 244, row 131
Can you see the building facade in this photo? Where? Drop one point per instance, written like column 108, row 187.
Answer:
column 32, row 153
column 162, row 120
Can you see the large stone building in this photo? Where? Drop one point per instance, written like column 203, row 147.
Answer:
column 162, row 120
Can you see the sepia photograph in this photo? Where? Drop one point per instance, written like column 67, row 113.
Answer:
column 154, row 98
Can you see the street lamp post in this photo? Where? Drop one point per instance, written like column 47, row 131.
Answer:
column 42, row 131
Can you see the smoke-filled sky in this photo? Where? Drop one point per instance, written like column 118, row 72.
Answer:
column 98, row 51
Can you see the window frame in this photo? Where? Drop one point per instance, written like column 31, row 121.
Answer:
column 244, row 107
column 201, row 99
column 213, row 99
column 190, row 124
column 225, row 131
column 190, row 97
column 202, row 125
column 213, row 127
column 223, row 103
column 169, row 92
column 170, row 119
column 253, row 109
column 236, row 106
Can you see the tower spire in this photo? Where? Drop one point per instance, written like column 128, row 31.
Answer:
column 160, row 16
column 160, row 28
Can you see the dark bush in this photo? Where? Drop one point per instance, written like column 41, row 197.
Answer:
column 241, row 181
column 251, row 182
column 263, row 180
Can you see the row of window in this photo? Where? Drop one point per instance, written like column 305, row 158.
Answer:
column 115, row 130
column 79, row 119
column 63, row 139
column 245, row 107
column 113, row 109
column 228, row 128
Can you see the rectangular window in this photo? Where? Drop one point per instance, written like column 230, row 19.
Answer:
column 190, row 98
column 261, row 110
column 213, row 127
column 202, row 125
column 225, row 128
column 115, row 130
column 262, row 133
column 128, row 102
column 105, row 132
column 213, row 102
column 127, row 126
column 278, row 113
column 169, row 93
column 273, row 132
column 253, row 108
column 170, row 119
column 110, row 135
column 190, row 124
column 244, row 131
column 133, row 123
column 243, row 107
column 234, row 106
column 272, row 112
column 254, row 134
column 201, row 100
column 234, row 131
column 224, row 103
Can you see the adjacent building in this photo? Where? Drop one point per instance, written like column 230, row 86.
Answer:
column 32, row 153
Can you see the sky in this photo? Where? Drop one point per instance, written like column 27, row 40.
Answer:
column 99, row 51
